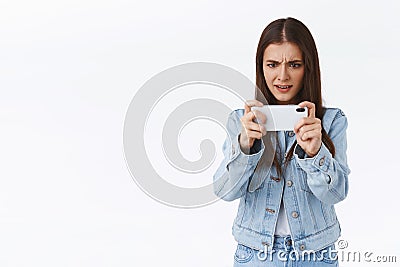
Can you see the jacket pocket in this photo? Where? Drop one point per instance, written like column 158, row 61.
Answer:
column 302, row 178
column 329, row 213
column 243, row 254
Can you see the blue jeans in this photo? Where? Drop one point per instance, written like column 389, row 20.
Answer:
column 283, row 255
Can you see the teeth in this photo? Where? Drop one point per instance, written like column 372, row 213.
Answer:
column 283, row 87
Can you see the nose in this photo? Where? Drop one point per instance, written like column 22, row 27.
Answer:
column 283, row 73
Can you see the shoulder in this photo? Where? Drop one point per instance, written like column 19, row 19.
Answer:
column 334, row 118
column 333, row 113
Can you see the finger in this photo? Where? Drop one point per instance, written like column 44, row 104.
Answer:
column 306, row 121
column 260, row 116
column 310, row 106
column 310, row 135
column 247, row 109
column 254, row 134
column 251, row 103
column 254, row 103
column 248, row 117
column 255, row 116
column 309, row 127
column 252, row 126
column 249, row 123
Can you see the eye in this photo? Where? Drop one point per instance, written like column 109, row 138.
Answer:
column 271, row 65
column 295, row 65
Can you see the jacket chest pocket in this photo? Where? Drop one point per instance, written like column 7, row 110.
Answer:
column 301, row 176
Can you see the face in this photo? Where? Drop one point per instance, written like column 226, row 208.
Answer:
column 284, row 71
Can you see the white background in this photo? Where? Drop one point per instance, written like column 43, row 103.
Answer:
column 68, row 71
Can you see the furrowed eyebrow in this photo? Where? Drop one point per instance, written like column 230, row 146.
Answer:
column 292, row 61
column 272, row 61
column 296, row 61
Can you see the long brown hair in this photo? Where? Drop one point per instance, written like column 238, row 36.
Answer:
column 293, row 31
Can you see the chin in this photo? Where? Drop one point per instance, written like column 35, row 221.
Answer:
column 284, row 99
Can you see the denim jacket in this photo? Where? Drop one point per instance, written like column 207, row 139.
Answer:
column 309, row 187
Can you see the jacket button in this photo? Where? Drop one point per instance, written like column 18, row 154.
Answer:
column 295, row 214
column 322, row 161
column 289, row 183
column 302, row 247
column 291, row 134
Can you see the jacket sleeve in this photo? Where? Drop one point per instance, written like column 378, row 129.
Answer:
column 327, row 176
column 231, row 179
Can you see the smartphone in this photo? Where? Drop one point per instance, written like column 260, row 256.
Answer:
column 282, row 117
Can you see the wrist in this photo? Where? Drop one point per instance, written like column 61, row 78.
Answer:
column 313, row 154
column 244, row 145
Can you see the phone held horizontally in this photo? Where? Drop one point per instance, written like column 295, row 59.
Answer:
column 282, row 117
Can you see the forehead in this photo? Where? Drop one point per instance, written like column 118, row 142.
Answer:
column 283, row 51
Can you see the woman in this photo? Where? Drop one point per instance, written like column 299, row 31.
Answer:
column 287, row 185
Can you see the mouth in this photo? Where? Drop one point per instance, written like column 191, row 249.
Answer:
column 283, row 88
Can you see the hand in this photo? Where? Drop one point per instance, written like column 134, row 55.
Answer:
column 309, row 131
column 250, row 129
